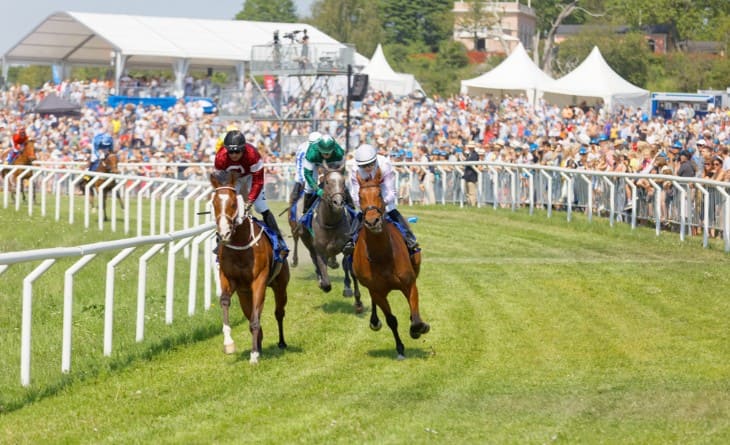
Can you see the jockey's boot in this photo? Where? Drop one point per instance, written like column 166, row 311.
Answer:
column 217, row 247
column 296, row 193
column 309, row 199
column 355, row 226
column 409, row 237
column 270, row 221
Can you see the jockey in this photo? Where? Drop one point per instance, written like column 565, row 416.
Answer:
column 101, row 146
column 368, row 162
column 298, row 188
column 326, row 149
column 19, row 141
column 237, row 155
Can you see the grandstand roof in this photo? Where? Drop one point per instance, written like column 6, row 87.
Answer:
column 149, row 42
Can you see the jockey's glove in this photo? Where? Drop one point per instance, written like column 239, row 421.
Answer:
column 247, row 208
column 320, row 192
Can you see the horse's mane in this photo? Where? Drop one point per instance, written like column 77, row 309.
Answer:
column 221, row 176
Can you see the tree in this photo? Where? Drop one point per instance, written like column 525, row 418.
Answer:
column 351, row 21
column 427, row 21
column 564, row 11
column 268, row 11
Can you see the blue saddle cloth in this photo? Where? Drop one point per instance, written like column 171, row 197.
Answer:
column 306, row 219
column 281, row 251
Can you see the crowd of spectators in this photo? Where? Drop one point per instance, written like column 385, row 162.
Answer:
column 407, row 129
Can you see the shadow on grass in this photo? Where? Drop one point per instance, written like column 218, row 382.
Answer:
column 344, row 305
column 414, row 353
column 269, row 352
column 32, row 395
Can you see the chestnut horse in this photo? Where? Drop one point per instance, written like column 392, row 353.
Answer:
column 25, row 157
column 107, row 165
column 246, row 264
column 382, row 263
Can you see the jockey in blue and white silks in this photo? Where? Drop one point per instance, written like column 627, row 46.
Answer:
column 101, row 146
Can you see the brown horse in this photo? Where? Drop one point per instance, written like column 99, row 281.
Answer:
column 382, row 263
column 109, row 164
column 247, row 267
column 26, row 157
column 330, row 231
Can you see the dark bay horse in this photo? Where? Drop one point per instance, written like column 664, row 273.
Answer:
column 25, row 157
column 330, row 231
column 247, row 267
column 110, row 164
column 382, row 263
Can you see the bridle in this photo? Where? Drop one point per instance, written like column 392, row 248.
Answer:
column 236, row 220
column 380, row 210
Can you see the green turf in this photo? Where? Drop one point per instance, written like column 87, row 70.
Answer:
column 542, row 331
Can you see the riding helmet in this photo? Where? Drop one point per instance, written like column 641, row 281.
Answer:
column 326, row 145
column 234, row 141
column 365, row 154
column 106, row 141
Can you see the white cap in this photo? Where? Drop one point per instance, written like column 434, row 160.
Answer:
column 365, row 154
column 314, row 137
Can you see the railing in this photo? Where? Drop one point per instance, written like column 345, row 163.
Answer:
column 687, row 206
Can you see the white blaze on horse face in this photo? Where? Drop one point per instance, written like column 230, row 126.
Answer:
column 224, row 226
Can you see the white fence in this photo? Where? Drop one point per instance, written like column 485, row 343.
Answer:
column 686, row 206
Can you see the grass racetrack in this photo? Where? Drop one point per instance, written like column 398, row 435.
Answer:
column 542, row 331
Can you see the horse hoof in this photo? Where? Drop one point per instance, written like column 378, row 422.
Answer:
column 254, row 360
column 400, row 357
column 230, row 348
column 326, row 288
column 359, row 308
column 347, row 293
column 294, row 263
column 377, row 326
column 417, row 330
column 282, row 345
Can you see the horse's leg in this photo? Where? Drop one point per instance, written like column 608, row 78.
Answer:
column 375, row 323
column 324, row 278
column 382, row 301
column 103, row 205
column 280, row 300
column 295, row 258
column 229, row 346
column 255, row 306
column 418, row 326
column 351, row 280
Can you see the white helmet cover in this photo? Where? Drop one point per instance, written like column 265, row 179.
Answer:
column 314, row 136
column 365, row 154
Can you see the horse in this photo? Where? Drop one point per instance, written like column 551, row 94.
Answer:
column 25, row 157
column 382, row 263
column 294, row 213
column 109, row 164
column 330, row 231
column 246, row 265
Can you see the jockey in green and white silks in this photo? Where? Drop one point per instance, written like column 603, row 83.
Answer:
column 326, row 149
column 368, row 163
column 299, row 179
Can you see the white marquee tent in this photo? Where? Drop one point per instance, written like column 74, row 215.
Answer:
column 516, row 74
column 595, row 80
column 128, row 41
column 381, row 77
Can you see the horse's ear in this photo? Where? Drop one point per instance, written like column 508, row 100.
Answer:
column 214, row 180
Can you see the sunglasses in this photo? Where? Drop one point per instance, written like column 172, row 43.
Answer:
column 371, row 164
column 233, row 149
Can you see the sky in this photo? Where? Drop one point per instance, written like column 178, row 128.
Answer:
column 24, row 15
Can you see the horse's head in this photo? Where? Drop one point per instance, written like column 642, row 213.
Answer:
column 334, row 186
column 371, row 202
column 30, row 149
column 111, row 163
column 225, row 203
